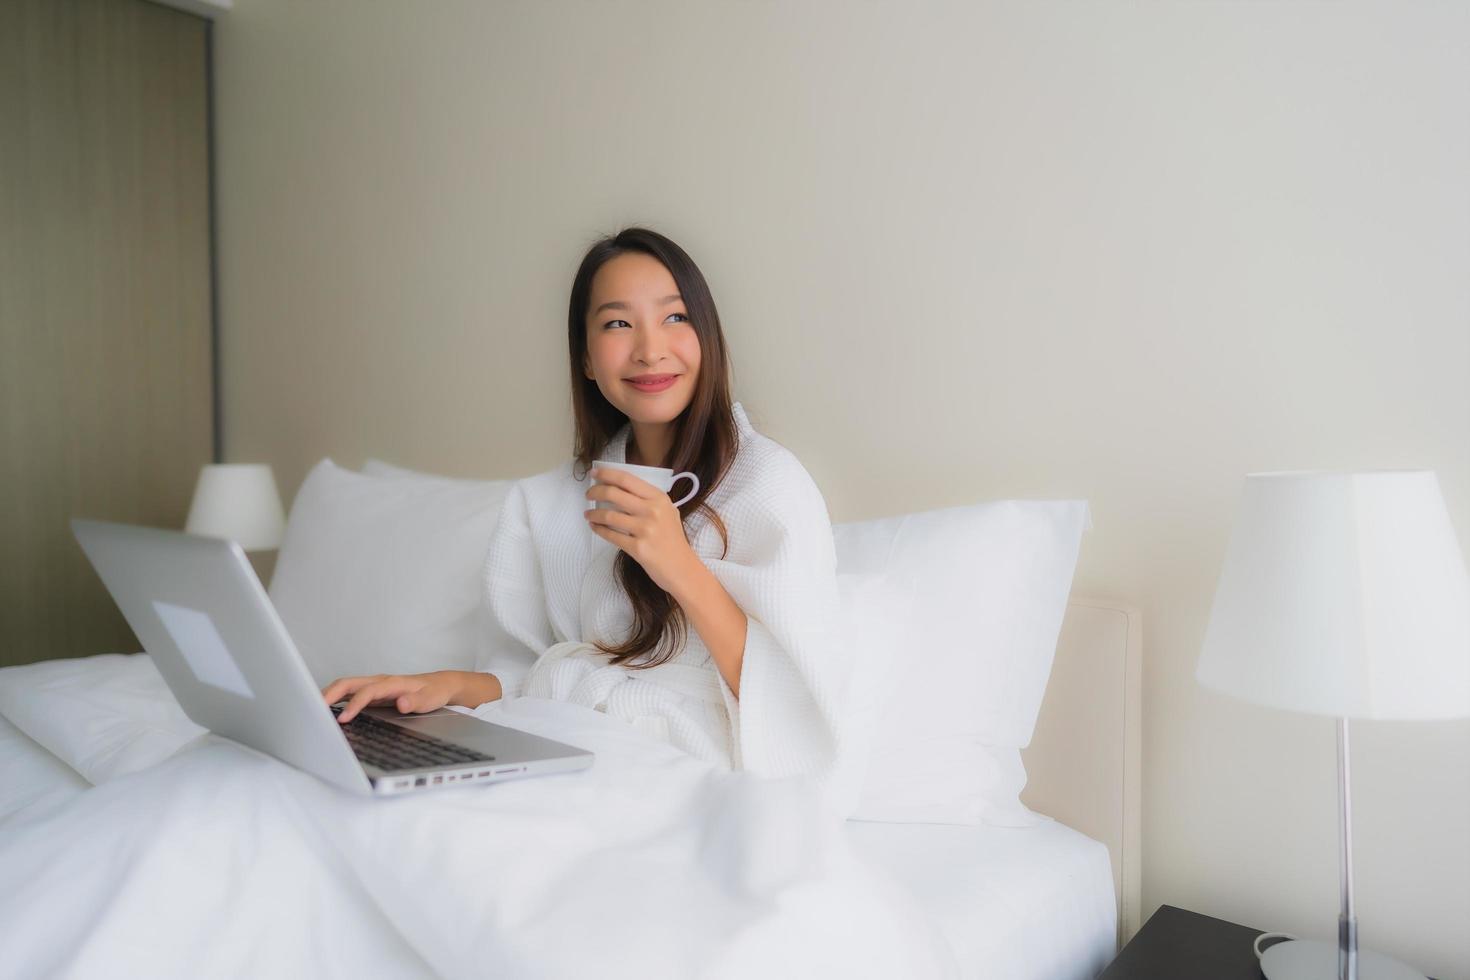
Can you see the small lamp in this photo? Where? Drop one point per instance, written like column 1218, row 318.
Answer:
column 238, row 501
column 1342, row 594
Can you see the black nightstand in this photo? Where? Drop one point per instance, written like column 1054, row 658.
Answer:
column 1175, row 944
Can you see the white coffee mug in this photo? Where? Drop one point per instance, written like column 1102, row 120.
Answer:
column 659, row 476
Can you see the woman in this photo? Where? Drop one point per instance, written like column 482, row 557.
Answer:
column 596, row 605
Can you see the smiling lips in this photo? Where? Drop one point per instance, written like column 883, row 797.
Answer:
column 652, row 382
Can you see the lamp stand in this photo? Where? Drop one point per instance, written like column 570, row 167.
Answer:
column 1300, row 959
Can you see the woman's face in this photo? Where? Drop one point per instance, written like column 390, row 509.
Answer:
column 637, row 328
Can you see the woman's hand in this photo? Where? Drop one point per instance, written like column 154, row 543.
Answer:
column 648, row 528
column 412, row 693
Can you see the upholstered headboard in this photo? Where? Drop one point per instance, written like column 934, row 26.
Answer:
column 1083, row 765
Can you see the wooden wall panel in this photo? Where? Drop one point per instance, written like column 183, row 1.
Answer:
column 105, row 381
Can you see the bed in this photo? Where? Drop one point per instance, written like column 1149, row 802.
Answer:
column 1046, row 901
column 982, row 820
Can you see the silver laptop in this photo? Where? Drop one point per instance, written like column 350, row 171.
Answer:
column 202, row 614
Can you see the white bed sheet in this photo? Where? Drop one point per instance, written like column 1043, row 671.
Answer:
column 1017, row 903
column 1014, row 902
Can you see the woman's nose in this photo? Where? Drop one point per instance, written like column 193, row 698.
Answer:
column 648, row 350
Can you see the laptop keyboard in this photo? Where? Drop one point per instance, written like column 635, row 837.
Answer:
column 391, row 748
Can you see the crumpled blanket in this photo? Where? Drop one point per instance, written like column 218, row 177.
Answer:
column 196, row 856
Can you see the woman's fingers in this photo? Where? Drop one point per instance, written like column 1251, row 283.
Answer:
column 621, row 499
column 377, row 692
column 343, row 686
column 409, row 693
column 339, row 687
column 616, row 520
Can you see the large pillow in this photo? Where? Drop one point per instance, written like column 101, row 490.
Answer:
column 874, row 614
column 382, row 575
column 377, row 467
column 493, row 637
column 962, row 691
column 106, row 716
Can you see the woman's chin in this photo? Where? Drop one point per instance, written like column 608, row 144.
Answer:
column 653, row 411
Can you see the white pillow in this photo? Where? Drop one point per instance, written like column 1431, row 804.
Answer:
column 376, row 467
column 874, row 614
column 379, row 575
column 105, row 716
column 961, row 693
column 493, row 637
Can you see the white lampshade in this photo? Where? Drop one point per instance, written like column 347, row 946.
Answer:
column 1343, row 594
column 238, row 501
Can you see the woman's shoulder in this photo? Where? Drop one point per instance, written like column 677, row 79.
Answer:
column 761, row 459
column 769, row 476
column 542, row 495
column 770, row 506
column 538, row 483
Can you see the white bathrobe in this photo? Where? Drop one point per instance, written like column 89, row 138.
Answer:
column 550, row 586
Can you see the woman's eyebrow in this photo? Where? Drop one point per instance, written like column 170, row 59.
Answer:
column 619, row 305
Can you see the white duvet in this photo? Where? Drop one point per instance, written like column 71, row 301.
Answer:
column 194, row 856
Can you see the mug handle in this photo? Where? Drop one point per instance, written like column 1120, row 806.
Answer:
column 690, row 495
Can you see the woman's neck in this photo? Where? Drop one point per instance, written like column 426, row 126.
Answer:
column 648, row 445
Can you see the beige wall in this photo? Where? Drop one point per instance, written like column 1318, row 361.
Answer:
column 1123, row 251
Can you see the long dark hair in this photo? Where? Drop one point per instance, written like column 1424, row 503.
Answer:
column 704, row 433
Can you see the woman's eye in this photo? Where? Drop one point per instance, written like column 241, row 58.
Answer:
column 625, row 322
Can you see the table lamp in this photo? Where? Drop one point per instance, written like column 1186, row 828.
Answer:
column 238, row 501
column 1342, row 594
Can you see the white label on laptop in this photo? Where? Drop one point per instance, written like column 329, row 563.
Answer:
column 194, row 634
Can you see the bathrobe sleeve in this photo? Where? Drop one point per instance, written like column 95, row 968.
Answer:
column 514, row 593
column 781, row 571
